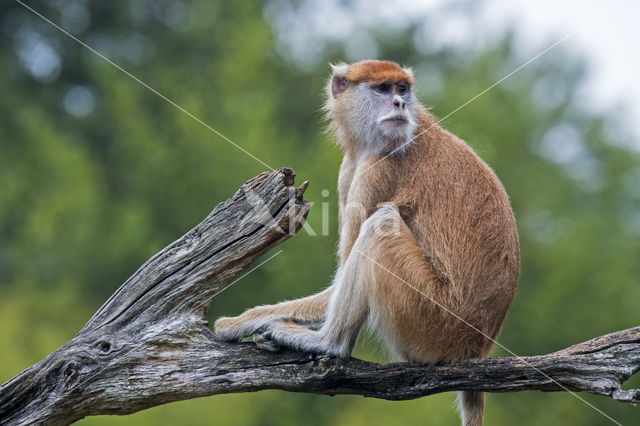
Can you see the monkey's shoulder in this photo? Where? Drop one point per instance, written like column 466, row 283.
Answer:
column 447, row 168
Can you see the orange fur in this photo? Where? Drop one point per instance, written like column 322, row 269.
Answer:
column 377, row 72
column 458, row 244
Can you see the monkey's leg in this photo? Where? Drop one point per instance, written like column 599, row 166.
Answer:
column 351, row 300
column 308, row 310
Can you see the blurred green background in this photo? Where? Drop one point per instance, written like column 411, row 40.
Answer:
column 97, row 174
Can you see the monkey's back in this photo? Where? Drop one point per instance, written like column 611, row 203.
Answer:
column 460, row 215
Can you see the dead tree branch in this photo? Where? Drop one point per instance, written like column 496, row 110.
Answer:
column 150, row 344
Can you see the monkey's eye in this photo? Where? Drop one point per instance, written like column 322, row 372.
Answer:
column 402, row 89
column 383, row 88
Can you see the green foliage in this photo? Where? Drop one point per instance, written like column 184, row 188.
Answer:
column 86, row 198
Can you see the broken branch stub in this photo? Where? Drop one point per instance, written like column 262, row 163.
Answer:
column 118, row 362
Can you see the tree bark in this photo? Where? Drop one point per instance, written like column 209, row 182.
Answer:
column 150, row 344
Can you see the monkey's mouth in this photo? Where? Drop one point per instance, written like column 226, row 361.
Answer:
column 395, row 119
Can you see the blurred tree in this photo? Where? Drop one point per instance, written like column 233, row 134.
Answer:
column 97, row 173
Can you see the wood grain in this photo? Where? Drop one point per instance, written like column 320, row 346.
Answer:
column 150, row 344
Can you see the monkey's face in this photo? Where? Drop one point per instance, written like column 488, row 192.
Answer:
column 371, row 106
column 385, row 114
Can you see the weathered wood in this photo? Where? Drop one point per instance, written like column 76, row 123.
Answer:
column 150, row 344
column 157, row 313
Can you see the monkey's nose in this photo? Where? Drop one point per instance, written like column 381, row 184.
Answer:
column 398, row 102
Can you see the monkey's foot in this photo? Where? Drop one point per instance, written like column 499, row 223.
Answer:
column 263, row 341
column 278, row 333
column 230, row 329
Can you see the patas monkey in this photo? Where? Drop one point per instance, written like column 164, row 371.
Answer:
column 428, row 247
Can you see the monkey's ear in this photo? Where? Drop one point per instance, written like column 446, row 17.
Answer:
column 338, row 85
column 338, row 81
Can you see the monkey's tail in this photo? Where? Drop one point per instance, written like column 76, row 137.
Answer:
column 471, row 406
